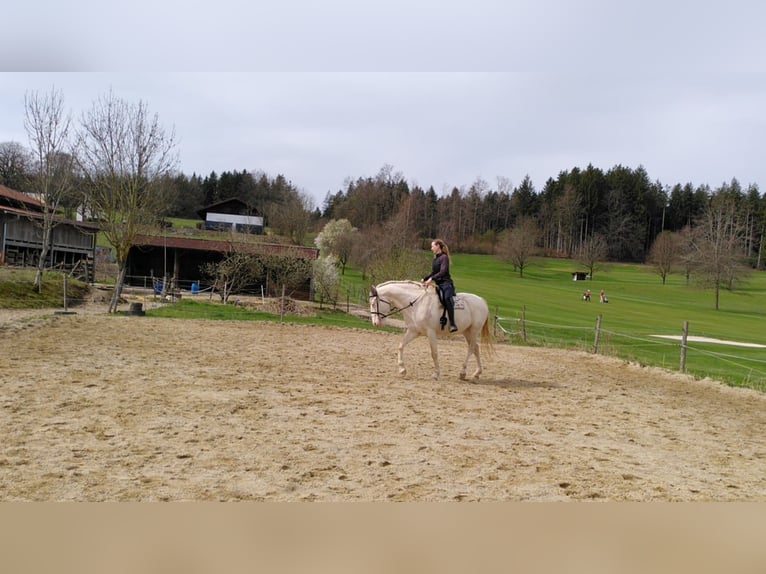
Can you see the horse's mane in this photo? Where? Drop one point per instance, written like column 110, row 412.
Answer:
column 405, row 281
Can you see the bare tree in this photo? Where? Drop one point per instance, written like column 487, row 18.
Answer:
column 292, row 217
column 592, row 252
column 124, row 154
column 665, row 253
column 717, row 244
column 48, row 127
column 519, row 245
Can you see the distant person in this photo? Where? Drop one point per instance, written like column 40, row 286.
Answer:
column 602, row 296
column 586, row 295
column 441, row 276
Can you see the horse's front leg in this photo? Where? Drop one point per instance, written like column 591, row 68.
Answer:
column 409, row 335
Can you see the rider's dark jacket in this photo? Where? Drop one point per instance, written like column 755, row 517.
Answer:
column 440, row 274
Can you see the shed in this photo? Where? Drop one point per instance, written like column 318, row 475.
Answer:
column 580, row 275
column 73, row 244
column 232, row 215
column 181, row 258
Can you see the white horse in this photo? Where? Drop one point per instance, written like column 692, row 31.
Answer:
column 422, row 310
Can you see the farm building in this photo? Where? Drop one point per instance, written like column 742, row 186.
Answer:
column 180, row 259
column 232, row 215
column 73, row 244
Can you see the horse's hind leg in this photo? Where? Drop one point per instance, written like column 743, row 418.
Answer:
column 477, row 354
column 473, row 349
column 468, row 337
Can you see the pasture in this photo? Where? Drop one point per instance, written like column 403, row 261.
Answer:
column 124, row 408
column 640, row 308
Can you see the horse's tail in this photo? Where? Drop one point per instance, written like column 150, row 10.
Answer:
column 487, row 339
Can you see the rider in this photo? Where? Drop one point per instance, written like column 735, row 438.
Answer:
column 440, row 275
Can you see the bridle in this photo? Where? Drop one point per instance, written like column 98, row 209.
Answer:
column 393, row 308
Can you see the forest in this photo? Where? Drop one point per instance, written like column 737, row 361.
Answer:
column 624, row 206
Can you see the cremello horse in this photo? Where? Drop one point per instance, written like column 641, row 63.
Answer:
column 421, row 310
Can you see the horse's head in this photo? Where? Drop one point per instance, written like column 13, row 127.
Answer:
column 379, row 308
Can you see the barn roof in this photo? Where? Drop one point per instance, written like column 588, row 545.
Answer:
column 57, row 220
column 13, row 198
column 255, row 248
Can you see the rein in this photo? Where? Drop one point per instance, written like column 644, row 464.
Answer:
column 394, row 308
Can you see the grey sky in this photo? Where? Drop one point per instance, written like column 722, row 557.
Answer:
column 678, row 87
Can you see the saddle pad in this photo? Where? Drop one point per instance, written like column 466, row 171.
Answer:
column 458, row 302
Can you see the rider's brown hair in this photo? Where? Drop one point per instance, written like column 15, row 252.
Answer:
column 442, row 246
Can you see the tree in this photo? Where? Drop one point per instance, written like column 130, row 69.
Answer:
column 326, row 279
column 337, row 238
column 15, row 162
column 568, row 211
column 285, row 271
column 665, row 253
column 124, row 154
column 47, row 126
column 718, row 245
column 593, row 251
column 519, row 244
column 398, row 263
column 292, row 216
column 233, row 273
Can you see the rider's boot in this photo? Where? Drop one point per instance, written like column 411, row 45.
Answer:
column 451, row 315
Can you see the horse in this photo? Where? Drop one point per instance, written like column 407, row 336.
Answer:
column 422, row 310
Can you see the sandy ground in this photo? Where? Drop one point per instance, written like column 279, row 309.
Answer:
column 124, row 408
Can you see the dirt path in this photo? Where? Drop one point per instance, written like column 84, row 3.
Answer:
column 98, row 408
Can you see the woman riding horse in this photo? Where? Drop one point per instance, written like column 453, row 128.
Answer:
column 440, row 275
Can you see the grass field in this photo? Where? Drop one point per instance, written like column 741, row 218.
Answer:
column 639, row 307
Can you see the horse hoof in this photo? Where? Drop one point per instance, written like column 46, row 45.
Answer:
column 435, row 377
column 462, row 376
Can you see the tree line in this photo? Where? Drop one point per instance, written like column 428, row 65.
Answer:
column 622, row 205
column 120, row 162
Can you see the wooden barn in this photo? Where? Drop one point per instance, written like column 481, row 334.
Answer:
column 73, row 244
column 179, row 259
column 232, row 215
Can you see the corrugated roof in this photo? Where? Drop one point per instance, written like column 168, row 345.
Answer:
column 256, row 248
column 12, row 196
column 57, row 220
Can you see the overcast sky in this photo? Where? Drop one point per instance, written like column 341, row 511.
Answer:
column 338, row 89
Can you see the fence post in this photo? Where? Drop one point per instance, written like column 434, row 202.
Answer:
column 66, row 288
column 683, row 346
column 598, row 335
column 282, row 305
column 524, row 323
